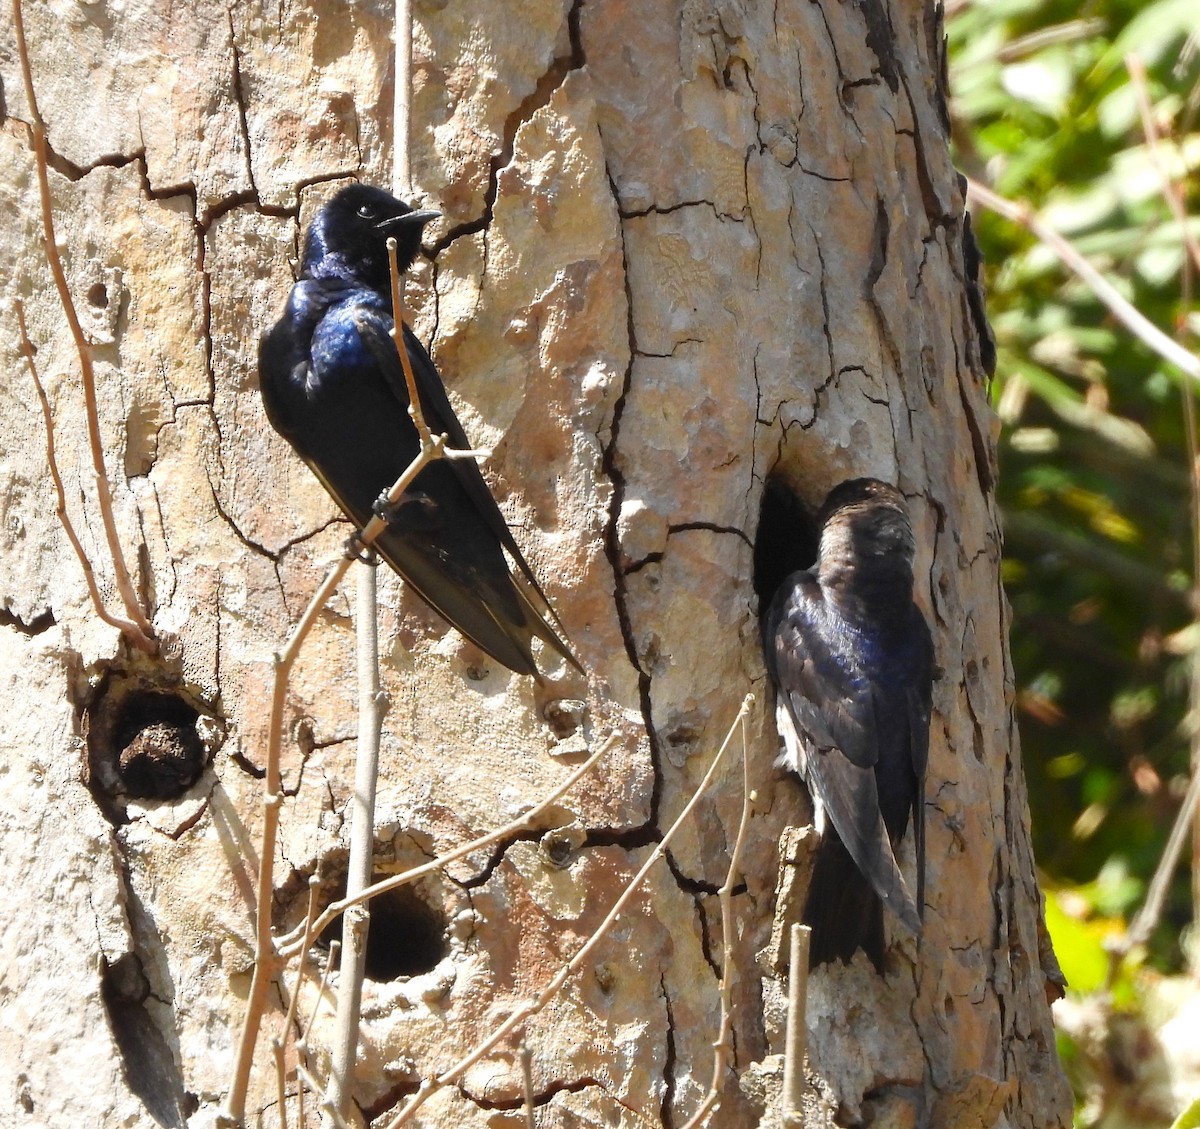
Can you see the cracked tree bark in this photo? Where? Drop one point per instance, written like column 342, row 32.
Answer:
column 686, row 246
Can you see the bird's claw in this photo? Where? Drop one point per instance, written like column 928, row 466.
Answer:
column 384, row 508
column 357, row 551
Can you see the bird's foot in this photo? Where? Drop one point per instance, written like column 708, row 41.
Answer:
column 357, row 551
column 384, row 507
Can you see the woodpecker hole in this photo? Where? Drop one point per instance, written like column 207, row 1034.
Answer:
column 143, row 744
column 406, row 937
column 786, row 540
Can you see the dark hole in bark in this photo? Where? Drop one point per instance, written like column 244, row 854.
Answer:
column 407, row 936
column 786, row 540
column 159, row 754
column 142, row 743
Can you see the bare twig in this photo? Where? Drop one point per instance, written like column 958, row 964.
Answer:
column 797, row 1029
column 1174, row 196
column 1156, row 894
column 525, row 1058
column 402, row 101
column 722, row 1047
column 289, row 1019
column 303, row 1074
column 314, row 886
column 1170, row 188
column 397, row 332
column 126, row 626
column 525, row 1011
column 142, row 632
column 357, row 922
column 335, row 1118
column 280, row 1081
column 331, row 962
column 1121, row 308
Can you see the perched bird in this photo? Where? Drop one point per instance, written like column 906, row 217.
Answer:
column 851, row 659
column 333, row 387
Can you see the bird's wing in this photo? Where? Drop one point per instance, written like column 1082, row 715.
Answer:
column 374, row 329
column 279, row 365
column 830, row 705
column 826, row 692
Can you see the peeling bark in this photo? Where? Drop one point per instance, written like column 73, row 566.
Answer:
column 685, row 247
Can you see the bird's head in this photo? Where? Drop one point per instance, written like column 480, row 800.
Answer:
column 348, row 237
column 865, row 523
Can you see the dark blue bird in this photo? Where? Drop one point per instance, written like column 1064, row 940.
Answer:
column 851, row 658
column 333, row 387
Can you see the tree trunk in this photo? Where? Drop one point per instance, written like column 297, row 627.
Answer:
column 685, row 247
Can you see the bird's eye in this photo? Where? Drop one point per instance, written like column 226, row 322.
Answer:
column 367, row 211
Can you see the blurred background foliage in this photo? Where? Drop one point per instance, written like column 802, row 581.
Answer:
column 1095, row 453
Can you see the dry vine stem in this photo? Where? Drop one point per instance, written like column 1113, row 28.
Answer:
column 1156, row 895
column 722, row 1046
column 137, row 629
column 289, row 1018
column 266, row 959
column 525, row 1058
column 335, row 948
column 1147, row 917
column 527, row 1010
column 1170, row 188
column 797, row 1033
column 1122, row 309
column 89, row 574
column 371, row 708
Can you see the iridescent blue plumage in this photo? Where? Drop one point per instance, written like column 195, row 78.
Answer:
column 333, row 386
column 851, row 658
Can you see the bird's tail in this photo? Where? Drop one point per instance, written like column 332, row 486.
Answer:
column 542, row 622
column 842, row 909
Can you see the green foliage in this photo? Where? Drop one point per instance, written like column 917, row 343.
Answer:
column 1189, row 1118
column 1094, row 464
column 1080, row 934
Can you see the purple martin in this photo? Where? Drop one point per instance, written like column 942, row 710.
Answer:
column 851, row 658
column 333, row 387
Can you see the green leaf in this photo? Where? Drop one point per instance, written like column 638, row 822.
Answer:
column 1189, row 1118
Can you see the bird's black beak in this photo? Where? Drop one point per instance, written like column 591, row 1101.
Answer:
column 410, row 219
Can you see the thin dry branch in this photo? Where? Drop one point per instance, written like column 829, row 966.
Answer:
column 792, row 1113
column 397, row 331
column 89, row 574
column 371, row 708
column 331, row 962
column 1174, row 195
column 525, row 1058
column 289, row 1019
column 1147, row 917
column 722, row 1046
column 303, row 1073
column 402, row 101
column 1121, row 308
column 527, row 1010
column 141, row 633
column 314, row 886
column 1170, row 188
column 280, row 1082
column 335, row 1118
